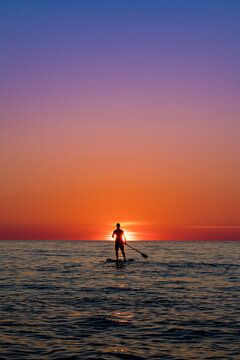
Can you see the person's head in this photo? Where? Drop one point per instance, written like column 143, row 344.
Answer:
column 118, row 225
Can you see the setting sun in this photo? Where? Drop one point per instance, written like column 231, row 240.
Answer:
column 130, row 236
column 129, row 231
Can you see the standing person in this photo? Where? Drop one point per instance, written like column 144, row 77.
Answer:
column 120, row 240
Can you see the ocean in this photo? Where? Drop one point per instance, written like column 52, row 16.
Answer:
column 62, row 300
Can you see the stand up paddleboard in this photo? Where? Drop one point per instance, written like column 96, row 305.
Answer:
column 119, row 261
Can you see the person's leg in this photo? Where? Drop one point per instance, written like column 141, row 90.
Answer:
column 123, row 252
column 116, row 250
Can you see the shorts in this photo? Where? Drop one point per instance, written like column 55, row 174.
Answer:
column 118, row 245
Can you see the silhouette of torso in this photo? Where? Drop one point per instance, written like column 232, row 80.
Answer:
column 119, row 235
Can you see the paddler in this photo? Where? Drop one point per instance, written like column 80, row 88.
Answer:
column 120, row 240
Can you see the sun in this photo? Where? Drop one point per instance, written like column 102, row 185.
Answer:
column 128, row 227
column 130, row 236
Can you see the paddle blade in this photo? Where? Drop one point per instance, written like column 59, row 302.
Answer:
column 145, row 256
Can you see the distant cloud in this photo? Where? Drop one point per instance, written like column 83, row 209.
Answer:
column 213, row 227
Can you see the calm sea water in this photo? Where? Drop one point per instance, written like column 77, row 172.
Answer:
column 61, row 300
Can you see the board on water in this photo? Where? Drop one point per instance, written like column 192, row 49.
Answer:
column 120, row 261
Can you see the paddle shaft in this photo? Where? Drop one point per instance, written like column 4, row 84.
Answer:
column 144, row 255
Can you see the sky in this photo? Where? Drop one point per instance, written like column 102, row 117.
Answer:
column 120, row 111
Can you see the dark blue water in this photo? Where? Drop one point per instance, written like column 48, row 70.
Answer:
column 60, row 300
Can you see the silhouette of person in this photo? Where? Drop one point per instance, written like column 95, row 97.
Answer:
column 120, row 240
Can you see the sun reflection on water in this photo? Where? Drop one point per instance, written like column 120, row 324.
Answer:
column 122, row 317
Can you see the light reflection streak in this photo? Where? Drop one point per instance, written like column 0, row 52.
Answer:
column 122, row 317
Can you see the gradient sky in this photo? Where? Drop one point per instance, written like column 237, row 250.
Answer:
column 124, row 110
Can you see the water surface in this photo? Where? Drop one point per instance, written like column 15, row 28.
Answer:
column 61, row 300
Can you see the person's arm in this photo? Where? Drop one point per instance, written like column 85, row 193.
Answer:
column 124, row 238
column 113, row 234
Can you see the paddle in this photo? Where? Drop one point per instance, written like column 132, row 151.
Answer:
column 143, row 255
